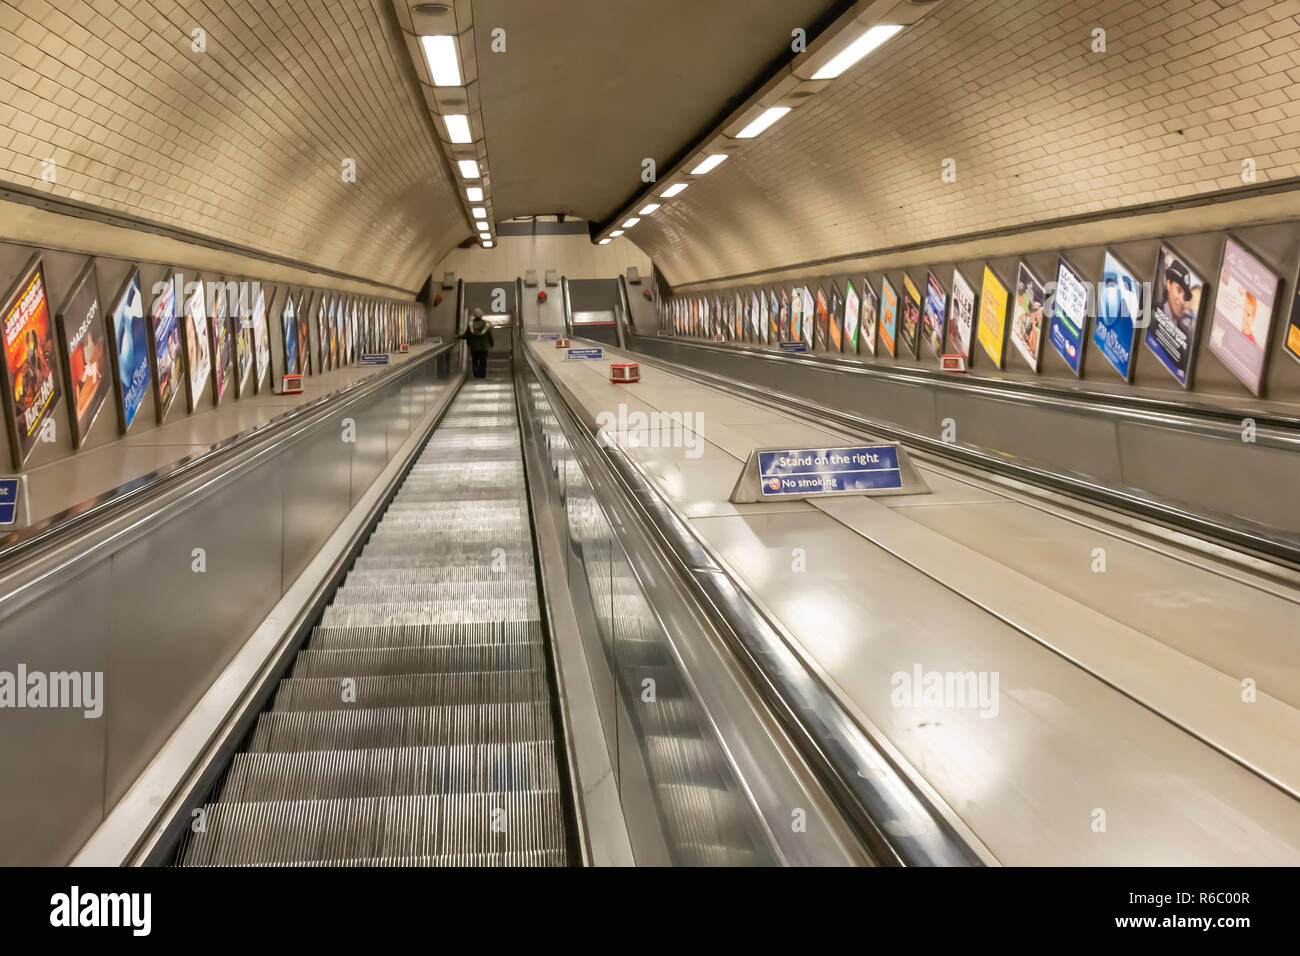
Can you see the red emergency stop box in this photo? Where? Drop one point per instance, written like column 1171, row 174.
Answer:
column 561, row 343
column 624, row 372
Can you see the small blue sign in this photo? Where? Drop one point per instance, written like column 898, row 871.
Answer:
column 586, row 353
column 804, row 471
column 794, row 346
column 374, row 358
column 9, row 500
column 547, row 336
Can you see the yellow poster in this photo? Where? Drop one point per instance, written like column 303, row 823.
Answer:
column 993, row 316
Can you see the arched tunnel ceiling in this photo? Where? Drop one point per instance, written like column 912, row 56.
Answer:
column 1039, row 125
column 587, row 89
column 244, row 142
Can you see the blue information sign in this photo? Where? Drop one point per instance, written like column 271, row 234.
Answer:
column 548, row 336
column 9, row 500
column 803, row 471
column 794, row 346
column 586, row 353
column 374, row 358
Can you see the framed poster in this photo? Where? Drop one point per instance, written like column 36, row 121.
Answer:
column 738, row 318
column 785, row 317
column 824, row 337
column 807, row 315
column 130, row 350
column 1027, row 321
column 31, row 373
column 888, row 316
column 86, row 367
column 353, row 355
column 992, row 331
column 223, row 359
column 1291, row 344
column 1069, row 315
column 934, row 315
column 165, row 328
column 1243, row 314
column 961, row 316
column 1119, row 305
column 772, row 311
column 198, row 347
column 870, row 316
column 243, row 349
column 289, row 332
column 796, row 314
column 261, row 339
column 1177, row 293
column 852, row 307
column 304, row 333
column 755, row 316
column 911, row 319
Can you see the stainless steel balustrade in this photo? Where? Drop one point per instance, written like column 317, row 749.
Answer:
column 159, row 586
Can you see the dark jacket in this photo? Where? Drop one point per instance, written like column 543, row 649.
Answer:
column 478, row 336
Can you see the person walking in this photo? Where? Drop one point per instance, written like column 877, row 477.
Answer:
column 479, row 339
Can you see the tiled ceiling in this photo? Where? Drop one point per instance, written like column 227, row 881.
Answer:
column 587, row 89
column 1039, row 125
column 244, row 142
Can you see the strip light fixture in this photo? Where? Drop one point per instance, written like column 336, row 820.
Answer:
column 710, row 164
column 765, row 119
column 440, row 54
column 458, row 127
column 468, row 168
column 856, row 50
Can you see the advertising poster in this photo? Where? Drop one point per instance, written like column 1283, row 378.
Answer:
column 911, row 319
column 796, row 314
column 243, row 350
column 223, row 359
column 304, row 335
column 934, row 318
column 961, row 316
column 1119, row 304
column 785, row 316
column 198, row 348
column 1292, row 341
column 261, row 339
column 738, row 319
column 837, row 314
column 352, row 332
column 807, row 315
column 1069, row 315
column 166, row 328
column 888, row 316
column 32, row 375
column 1028, row 319
column 771, row 316
column 85, row 347
column 993, row 316
column 852, row 306
column 1243, row 314
column 131, row 348
column 331, row 333
column 289, row 328
column 822, row 333
column 755, row 318
column 870, row 315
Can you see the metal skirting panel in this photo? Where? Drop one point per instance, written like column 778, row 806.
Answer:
column 1208, row 474
column 160, row 619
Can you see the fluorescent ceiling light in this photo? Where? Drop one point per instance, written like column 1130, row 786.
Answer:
column 765, row 119
column 482, row 224
column 444, row 67
column 469, row 168
column 628, row 224
column 710, row 164
column 603, row 242
column 479, row 212
column 648, row 208
column 616, row 233
column 474, row 194
column 458, row 127
column 856, row 50
column 672, row 191
column 485, row 235
column 487, row 244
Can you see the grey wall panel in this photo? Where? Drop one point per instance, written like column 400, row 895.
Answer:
column 173, row 629
column 317, row 495
column 52, row 761
column 371, row 448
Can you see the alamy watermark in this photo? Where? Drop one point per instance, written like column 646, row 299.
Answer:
column 637, row 429
column 54, row 690
column 956, row 690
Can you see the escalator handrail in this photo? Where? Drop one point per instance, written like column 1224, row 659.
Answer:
column 23, row 546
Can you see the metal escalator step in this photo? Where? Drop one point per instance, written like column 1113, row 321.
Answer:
column 327, row 638
column 536, row 858
column 405, row 771
column 418, row 660
column 514, row 567
column 501, row 587
column 444, row 726
column 327, row 693
column 371, row 827
column 431, row 612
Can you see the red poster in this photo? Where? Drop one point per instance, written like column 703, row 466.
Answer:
column 32, row 373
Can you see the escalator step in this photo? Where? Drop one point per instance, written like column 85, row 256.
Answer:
column 327, row 693
column 432, row 612
column 418, row 660
column 342, row 637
